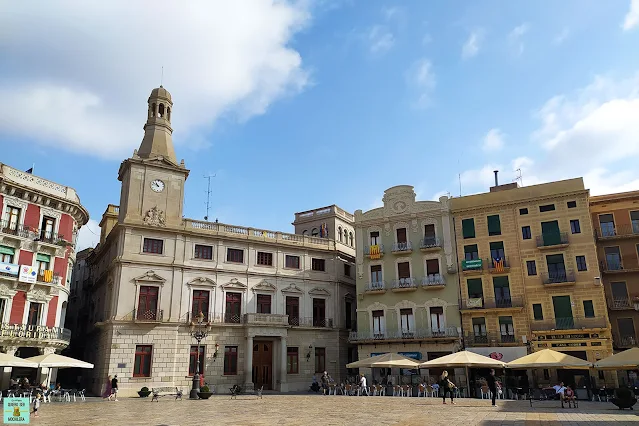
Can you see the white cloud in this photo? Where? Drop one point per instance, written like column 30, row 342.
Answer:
column 561, row 37
column 390, row 12
column 479, row 179
column 473, row 43
column 631, row 19
column 493, row 141
column 102, row 60
column 427, row 39
column 380, row 39
column 422, row 78
column 89, row 235
column 515, row 38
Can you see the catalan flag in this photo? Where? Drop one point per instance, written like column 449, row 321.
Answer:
column 47, row 276
column 375, row 252
column 498, row 265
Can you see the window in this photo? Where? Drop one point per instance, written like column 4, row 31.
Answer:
column 407, row 320
column 547, row 208
column 523, row 211
column 320, row 360
column 152, row 245
column 479, row 326
column 581, row 263
column 293, row 310
column 203, row 252
column 263, row 303
column 233, row 308
column 3, row 307
column 292, row 262
column 376, row 274
column 200, row 303
column 468, row 228
column 350, row 239
column 525, row 232
column 502, row 292
column 47, row 228
column 401, row 235
column 142, row 364
column 607, row 225
column 506, row 329
column 589, row 309
column 475, row 289
column 403, row 270
column 193, row 360
column 375, row 238
column 13, row 218
column 347, row 270
column 613, row 259
column 556, row 267
column 314, row 232
column 319, row 312
column 572, row 204
column 497, row 250
column 318, row 264
column 619, row 294
column 538, row 313
column 575, row 228
column 471, row 252
column 235, row 255
column 148, row 303
column 35, row 309
column 432, row 267
column 429, row 232
column 230, row 360
column 339, row 234
column 531, row 266
column 550, row 233
column 6, row 254
column 634, row 220
column 494, row 225
column 264, row 259
column 379, row 325
column 292, row 360
column 43, row 262
column 437, row 319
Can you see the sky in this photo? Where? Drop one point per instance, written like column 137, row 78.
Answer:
column 295, row 105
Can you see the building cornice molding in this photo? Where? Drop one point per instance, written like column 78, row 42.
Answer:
column 500, row 204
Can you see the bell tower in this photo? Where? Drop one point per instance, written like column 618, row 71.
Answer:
column 152, row 179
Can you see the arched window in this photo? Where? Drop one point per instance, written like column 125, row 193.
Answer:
column 345, row 236
column 314, row 232
column 339, row 233
column 152, row 112
column 161, row 111
column 305, row 232
column 168, row 113
column 350, row 239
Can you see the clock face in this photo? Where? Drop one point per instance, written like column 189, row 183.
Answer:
column 157, row 185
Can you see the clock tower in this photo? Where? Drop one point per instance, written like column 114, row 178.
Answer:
column 152, row 180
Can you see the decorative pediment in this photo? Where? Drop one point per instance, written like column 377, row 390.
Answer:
column 16, row 202
column 318, row 291
column 349, row 296
column 264, row 286
column 150, row 277
column 6, row 291
column 45, row 211
column 376, row 307
column 38, row 295
column 405, row 304
column 437, row 302
column 201, row 281
column 292, row 288
column 234, row 284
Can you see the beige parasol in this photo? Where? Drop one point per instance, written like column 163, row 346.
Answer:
column 626, row 360
column 463, row 359
column 58, row 361
column 7, row 360
column 389, row 360
column 547, row 358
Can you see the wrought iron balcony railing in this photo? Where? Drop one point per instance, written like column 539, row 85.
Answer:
column 574, row 323
column 621, row 303
column 401, row 247
column 552, row 239
column 558, row 277
column 499, row 303
column 611, row 265
column 317, row 322
column 417, row 334
column 489, row 339
column 231, row 318
column 430, row 243
column 148, row 315
column 624, row 340
column 375, row 286
column 617, row 231
column 433, row 280
column 404, row 283
column 498, row 265
column 16, row 229
column 369, row 250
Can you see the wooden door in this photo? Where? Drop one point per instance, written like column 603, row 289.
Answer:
column 263, row 364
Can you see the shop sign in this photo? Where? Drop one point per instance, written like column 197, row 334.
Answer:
column 566, row 345
column 564, row 336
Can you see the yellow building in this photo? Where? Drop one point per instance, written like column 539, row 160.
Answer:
column 529, row 274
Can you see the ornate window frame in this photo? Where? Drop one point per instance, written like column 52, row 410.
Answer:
column 399, row 225
column 148, row 279
column 8, row 200
column 234, row 286
column 403, row 260
column 405, row 304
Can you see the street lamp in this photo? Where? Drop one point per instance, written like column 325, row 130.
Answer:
column 199, row 330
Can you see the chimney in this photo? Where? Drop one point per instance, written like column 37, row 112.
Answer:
column 496, row 180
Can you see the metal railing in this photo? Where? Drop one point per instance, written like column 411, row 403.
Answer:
column 231, row 318
column 618, row 231
column 497, row 264
column 52, row 278
column 404, row 283
column 574, row 323
column 430, row 243
column 620, row 303
column 418, row 333
column 500, row 303
column 317, row 322
column 433, row 280
column 611, row 265
column 208, row 317
column 624, row 340
column 15, row 229
column 51, row 237
column 558, row 277
column 375, row 286
column 148, row 315
column 405, row 246
column 552, row 239
column 489, row 339
column 34, row 332
column 367, row 249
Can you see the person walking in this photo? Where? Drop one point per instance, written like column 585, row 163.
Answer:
column 114, row 387
column 446, row 386
column 492, row 385
column 107, row 390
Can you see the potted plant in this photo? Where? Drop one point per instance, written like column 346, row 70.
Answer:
column 624, row 398
column 205, row 392
column 144, row 392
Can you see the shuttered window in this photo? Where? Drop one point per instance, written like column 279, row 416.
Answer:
column 401, row 235
column 475, row 289
column 538, row 313
column 494, row 225
column 468, row 228
column 403, row 270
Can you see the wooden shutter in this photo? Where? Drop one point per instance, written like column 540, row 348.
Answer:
column 403, row 270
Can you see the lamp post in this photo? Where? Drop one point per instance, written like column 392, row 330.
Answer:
column 199, row 330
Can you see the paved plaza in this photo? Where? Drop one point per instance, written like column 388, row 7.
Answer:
column 330, row 410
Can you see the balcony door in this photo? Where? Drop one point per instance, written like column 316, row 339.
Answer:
column 563, row 312
column 502, row 292
column 148, row 303
column 35, row 311
column 607, row 225
column 13, row 218
column 319, row 312
column 432, row 268
column 379, row 324
column 407, row 321
column 556, row 267
column 437, row 319
column 375, row 238
column 46, row 230
column 634, row 219
column 430, row 238
column 293, row 310
column 200, row 304
column 627, row 331
column 233, row 310
column 376, row 274
column 619, row 295
column 403, row 271
column 613, row 258
column 550, row 233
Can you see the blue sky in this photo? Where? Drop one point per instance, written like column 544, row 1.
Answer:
column 296, row 105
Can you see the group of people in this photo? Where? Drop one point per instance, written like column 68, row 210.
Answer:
column 111, row 391
column 566, row 393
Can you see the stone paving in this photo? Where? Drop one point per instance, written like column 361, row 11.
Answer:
column 284, row 410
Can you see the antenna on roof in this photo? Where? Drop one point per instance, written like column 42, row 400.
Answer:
column 519, row 177
column 459, row 176
column 208, row 195
column 162, row 77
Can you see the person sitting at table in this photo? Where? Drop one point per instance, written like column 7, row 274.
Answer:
column 560, row 389
column 569, row 395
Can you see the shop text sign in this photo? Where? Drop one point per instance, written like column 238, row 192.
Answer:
column 16, row 411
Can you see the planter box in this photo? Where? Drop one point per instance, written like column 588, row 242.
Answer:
column 204, row 395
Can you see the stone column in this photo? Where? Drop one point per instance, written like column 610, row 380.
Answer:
column 283, row 384
column 248, row 367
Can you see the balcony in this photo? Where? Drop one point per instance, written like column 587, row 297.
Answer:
column 374, row 251
column 420, row 334
column 559, row 278
column 433, row 282
column 621, row 303
column 619, row 231
column 15, row 229
column 474, row 266
column 402, row 248
column 575, row 323
column 404, row 284
column 430, row 244
column 490, row 339
column 230, row 318
column 375, row 287
column 48, row 277
column 51, row 238
column 552, row 241
column 34, row 335
column 314, row 322
column 615, row 266
column 148, row 315
column 478, row 303
column 624, row 341
column 266, row 319
column 498, row 266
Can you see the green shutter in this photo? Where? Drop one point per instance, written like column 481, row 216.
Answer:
column 43, row 258
column 500, row 282
column 589, row 309
column 550, row 233
column 497, row 245
column 468, row 228
column 538, row 313
column 494, row 226
column 563, row 312
column 7, row 250
column 505, row 320
column 474, row 286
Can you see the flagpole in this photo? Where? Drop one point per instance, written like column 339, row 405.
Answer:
column 32, row 167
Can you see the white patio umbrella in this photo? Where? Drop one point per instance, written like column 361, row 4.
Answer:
column 58, row 361
column 389, row 360
column 7, row 360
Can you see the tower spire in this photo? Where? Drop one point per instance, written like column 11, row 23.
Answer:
column 158, row 140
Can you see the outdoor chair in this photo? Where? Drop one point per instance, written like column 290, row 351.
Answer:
column 379, row 390
column 486, row 393
column 398, row 391
column 407, row 390
column 435, row 391
column 348, row 389
column 421, row 391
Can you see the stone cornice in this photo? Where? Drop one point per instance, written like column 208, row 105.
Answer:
column 519, row 202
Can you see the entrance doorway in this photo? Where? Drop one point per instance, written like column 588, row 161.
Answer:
column 263, row 364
